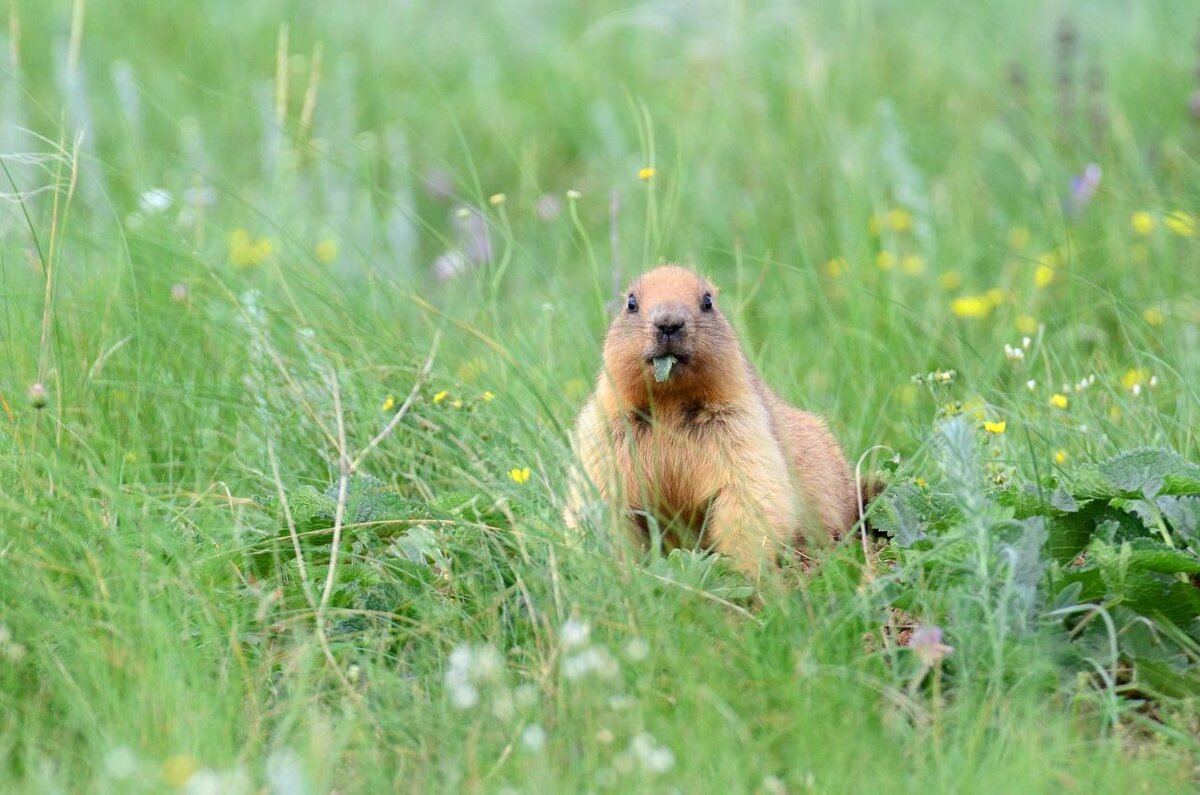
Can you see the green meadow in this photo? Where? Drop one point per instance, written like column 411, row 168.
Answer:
column 298, row 302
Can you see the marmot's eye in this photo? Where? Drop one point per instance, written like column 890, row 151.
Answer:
column 706, row 304
column 631, row 304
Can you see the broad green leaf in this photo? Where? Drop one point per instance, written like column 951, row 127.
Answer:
column 1142, row 472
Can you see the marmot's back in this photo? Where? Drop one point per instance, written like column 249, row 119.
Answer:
column 825, row 477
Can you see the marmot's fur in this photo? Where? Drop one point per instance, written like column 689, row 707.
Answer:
column 682, row 429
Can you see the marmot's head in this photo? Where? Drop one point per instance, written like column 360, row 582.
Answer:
column 671, row 339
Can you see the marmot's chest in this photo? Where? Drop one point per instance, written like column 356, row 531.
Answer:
column 676, row 460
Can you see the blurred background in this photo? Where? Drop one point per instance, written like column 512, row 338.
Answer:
column 872, row 162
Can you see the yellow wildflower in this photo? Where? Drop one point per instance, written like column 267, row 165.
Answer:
column 496, row 199
column 326, row 250
column 971, row 306
column 487, row 396
column 885, row 260
column 519, row 475
column 1043, row 276
column 388, row 403
column 1050, row 259
column 899, row 219
column 1060, row 456
column 647, row 173
column 950, row 280
column 912, row 265
column 471, row 369
column 975, row 407
column 574, row 388
column 1135, row 377
column 1182, row 224
column 1018, row 238
column 177, row 770
column 1059, row 401
column 131, row 457
column 835, row 267
column 995, row 427
column 456, row 403
column 921, row 483
column 1142, row 223
column 440, row 396
column 1114, row 413
column 994, row 296
column 247, row 252
column 1152, row 316
column 1027, row 324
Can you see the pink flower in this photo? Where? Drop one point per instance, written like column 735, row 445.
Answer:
column 926, row 642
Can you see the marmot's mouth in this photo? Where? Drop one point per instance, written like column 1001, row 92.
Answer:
column 664, row 364
column 680, row 358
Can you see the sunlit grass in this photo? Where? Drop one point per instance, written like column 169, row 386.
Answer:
column 249, row 252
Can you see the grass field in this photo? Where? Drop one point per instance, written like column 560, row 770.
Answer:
column 238, row 239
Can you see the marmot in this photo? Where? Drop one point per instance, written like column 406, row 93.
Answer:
column 681, row 428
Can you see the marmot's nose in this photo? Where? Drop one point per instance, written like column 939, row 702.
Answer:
column 668, row 327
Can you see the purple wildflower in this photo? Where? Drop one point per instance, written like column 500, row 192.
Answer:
column 1083, row 189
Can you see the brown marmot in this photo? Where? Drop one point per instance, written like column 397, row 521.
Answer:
column 681, row 429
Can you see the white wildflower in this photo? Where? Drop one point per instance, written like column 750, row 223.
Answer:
column 772, row 785
column 944, row 376
column 464, row 696
column 503, row 707
column 526, row 696
column 594, row 659
column 653, row 758
column 533, row 737
column 155, row 201
column 285, row 773
column 205, row 782
column 488, row 663
column 637, row 649
column 574, row 633
column 120, row 762
column 468, row 667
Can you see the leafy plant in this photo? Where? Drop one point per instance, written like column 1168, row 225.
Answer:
column 1109, row 556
